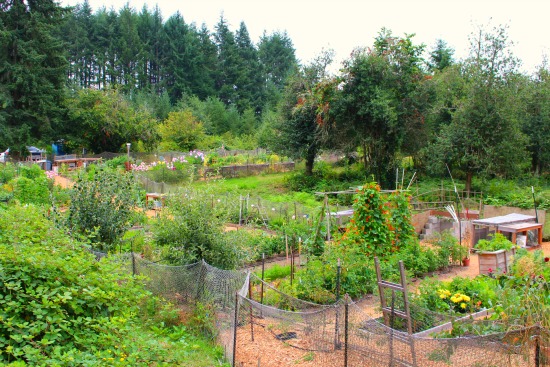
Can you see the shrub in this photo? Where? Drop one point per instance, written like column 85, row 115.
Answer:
column 60, row 307
column 7, row 172
column 497, row 242
column 103, row 200
column 51, row 311
column 191, row 229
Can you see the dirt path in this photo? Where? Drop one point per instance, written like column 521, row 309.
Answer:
column 64, row 182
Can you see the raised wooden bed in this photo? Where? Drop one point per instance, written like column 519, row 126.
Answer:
column 495, row 261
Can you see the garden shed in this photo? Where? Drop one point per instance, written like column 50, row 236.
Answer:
column 38, row 156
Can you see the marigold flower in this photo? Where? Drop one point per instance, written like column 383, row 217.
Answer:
column 463, row 305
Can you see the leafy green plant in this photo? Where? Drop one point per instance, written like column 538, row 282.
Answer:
column 61, row 307
column 497, row 242
column 275, row 272
column 203, row 320
column 190, row 228
column 103, row 199
column 32, row 187
column 449, row 246
column 7, row 172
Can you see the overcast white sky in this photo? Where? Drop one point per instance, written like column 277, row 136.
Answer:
column 343, row 25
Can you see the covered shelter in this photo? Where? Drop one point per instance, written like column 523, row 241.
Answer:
column 511, row 225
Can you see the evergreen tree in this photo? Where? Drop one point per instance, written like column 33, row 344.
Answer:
column 278, row 58
column 207, row 58
column 441, row 56
column 229, row 64
column 536, row 121
column 32, row 69
column 250, row 83
column 77, row 30
column 128, row 48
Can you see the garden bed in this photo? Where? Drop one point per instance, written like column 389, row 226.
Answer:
column 491, row 261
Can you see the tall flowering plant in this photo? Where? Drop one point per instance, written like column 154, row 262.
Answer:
column 371, row 228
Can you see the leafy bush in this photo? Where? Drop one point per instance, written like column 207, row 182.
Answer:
column 496, row 243
column 275, row 272
column 117, row 162
column 60, row 307
column 448, row 243
column 32, row 189
column 191, row 228
column 103, row 200
column 54, row 312
column 252, row 244
column 7, row 172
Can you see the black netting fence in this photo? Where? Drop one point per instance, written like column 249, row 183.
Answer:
column 258, row 325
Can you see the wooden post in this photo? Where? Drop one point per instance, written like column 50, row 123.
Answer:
column 286, row 246
column 328, row 217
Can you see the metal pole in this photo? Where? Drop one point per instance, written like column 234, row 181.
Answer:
column 235, row 329
column 251, row 319
column 346, row 331
column 337, row 327
column 392, row 319
column 262, row 283
column 240, row 209
column 133, row 263
column 291, row 265
column 338, row 270
column 537, row 351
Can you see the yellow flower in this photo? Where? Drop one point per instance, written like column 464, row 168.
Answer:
column 442, row 296
column 463, row 305
column 122, row 359
column 454, row 299
column 466, row 298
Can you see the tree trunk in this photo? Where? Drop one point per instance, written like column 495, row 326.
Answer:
column 365, row 155
column 310, row 160
column 469, row 175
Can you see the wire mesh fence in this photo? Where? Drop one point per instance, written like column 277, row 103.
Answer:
column 271, row 328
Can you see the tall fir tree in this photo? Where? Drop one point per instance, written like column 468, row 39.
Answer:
column 32, row 69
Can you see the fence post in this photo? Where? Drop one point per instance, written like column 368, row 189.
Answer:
column 251, row 316
column 133, row 263
column 337, row 327
column 537, row 347
column 346, row 331
column 235, row 328
column 201, row 280
column 291, row 263
column 262, row 284
column 392, row 322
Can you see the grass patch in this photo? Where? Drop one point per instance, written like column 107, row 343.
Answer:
column 275, row 272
